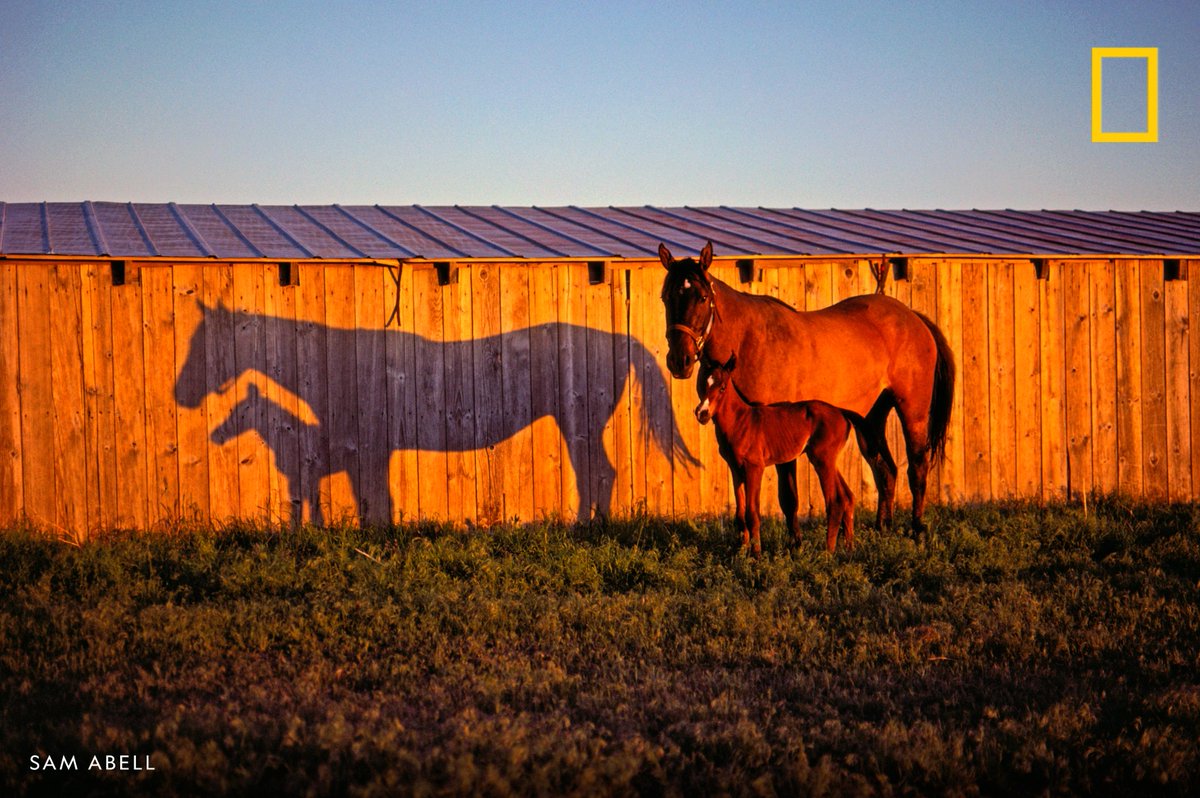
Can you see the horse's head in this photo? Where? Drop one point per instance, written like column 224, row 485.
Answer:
column 710, row 387
column 191, row 385
column 690, row 302
column 234, row 425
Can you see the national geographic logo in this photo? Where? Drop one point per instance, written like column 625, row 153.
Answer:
column 1150, row 54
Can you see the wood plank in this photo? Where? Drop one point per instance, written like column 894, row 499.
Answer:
column 370, row 313
column 656, row 414
column 600, row 396
column 250, row 350
column 622, row 421
column 286, row 421
column 91, row 445
column 1077, row 351
column 976, row 376
column 548, row 450
column 66, row 358
column 1154, row 388
column 949, row 320
column 517, row 451
column 1180, row 432
column 1128, row 337
column 1027, row 372
column 312, row 369
column 1002, row 380
column 219, row 401
column 129, row 397
column 191, row 423
column 1105, row 476
column 487, row 353
column 923, row 286
column 1193, row 278
column 459, row 372
column 402, row 396
column 106, row 415
column 36, row 391
column 12, row 486
column 1054, row 404
column 430, row 370
column 342, row 419
column 572, row 386
column 162, row 431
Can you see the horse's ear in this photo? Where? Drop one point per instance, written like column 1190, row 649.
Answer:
column 706, row 256
column 664, row 255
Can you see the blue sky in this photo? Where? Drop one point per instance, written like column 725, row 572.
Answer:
column 813, row 104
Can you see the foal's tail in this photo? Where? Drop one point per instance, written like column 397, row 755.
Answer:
column 663, row 428
column 943, row 392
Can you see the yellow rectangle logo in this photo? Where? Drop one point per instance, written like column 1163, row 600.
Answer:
column 1151, row 56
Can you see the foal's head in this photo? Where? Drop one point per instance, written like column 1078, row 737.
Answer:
column 711, row 387
column 687, row 295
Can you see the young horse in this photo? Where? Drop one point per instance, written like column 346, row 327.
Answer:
column 867, row 355
column 752, row 437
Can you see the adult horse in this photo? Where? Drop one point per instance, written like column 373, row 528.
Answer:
column 867, row 355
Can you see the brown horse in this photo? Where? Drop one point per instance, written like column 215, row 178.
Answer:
column 752, row 437
column 867, row 355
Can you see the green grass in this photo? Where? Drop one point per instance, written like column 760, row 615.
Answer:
column 1015, row 651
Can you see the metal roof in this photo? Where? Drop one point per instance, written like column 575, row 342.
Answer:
column 339, row 232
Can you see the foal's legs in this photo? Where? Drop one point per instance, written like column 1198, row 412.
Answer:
column 739, row 503
column 846, row 499
column 823, row 449
column 754, row 474
column 789, row 497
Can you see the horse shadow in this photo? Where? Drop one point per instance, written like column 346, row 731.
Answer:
column 353, row 434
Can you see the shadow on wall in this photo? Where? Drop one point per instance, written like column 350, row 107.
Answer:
column 342, row 432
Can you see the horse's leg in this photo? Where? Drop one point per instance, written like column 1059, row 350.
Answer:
column 789, row 499
column 846, row 498
column 822, row 452
column 872, row 441
column 914, row 421
column 577, row 453
column 754, row 474
column 739, row 504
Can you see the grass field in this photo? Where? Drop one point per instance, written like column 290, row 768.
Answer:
column 1016, row 651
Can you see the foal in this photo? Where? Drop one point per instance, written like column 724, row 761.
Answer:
column 752, row 437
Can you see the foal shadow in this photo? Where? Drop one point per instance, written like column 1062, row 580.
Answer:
column 346, row 382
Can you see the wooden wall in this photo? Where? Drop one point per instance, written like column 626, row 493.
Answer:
column 1087, row 381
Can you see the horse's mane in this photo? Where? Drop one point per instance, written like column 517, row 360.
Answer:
column 764, row 298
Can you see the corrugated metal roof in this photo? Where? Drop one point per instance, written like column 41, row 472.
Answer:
column 297, row 232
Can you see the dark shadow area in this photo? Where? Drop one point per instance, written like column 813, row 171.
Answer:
column 375, row 392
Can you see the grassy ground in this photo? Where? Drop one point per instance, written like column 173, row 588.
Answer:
column 1017, row 651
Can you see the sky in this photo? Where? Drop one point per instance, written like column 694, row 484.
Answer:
column 779, row 104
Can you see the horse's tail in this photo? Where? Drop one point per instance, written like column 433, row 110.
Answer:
column 942, row 400
column 655, row 393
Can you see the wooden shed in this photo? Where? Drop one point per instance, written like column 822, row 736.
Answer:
column 163, row 362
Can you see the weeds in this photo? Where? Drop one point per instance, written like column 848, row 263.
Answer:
column 1015, row 650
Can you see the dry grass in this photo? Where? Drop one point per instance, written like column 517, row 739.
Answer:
column 1017, row 650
